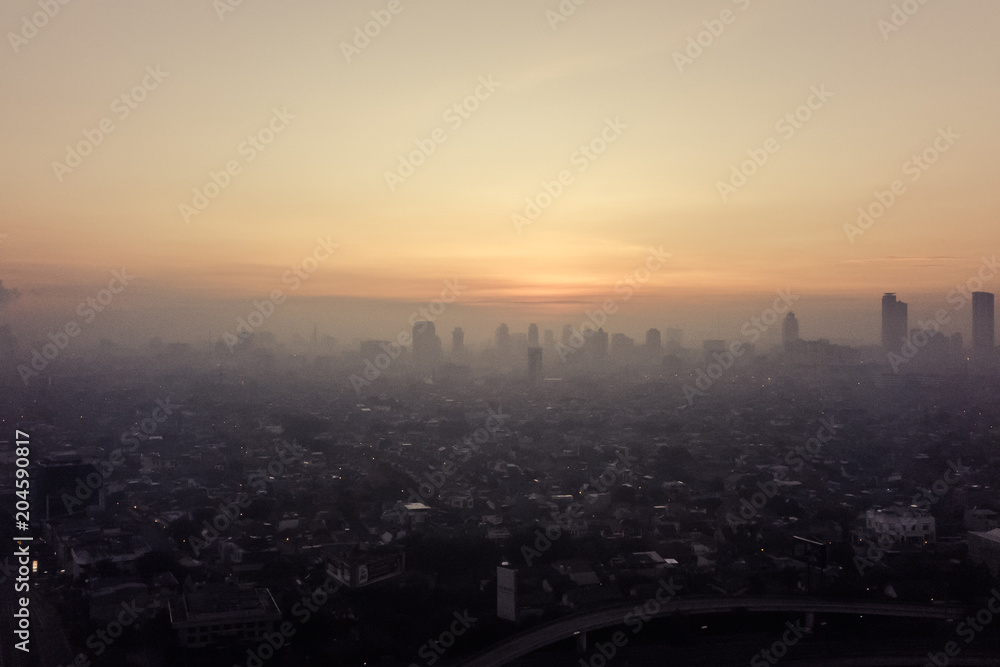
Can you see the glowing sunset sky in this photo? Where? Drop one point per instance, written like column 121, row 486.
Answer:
column 656, row 184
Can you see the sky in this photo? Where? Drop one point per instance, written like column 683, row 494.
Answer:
column 628, row 124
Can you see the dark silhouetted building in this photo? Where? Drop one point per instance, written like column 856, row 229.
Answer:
column 894, row 322
column 982, row 322
column 426, row 344
column 532, row 335
column 503, row 338
column 653, row 339
column 597, row 343
column 567, row 334
column 458, row 341
column 534, row 364
column 67, row 484
column 789, row 331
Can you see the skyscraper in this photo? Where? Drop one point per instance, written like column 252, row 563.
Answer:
column 534, row 364
column 597, row 342
column 982, row 321
column 503, row 338
column 567, row 333
column 426, row 344
column 789, row 330
column 532, row 335
column 894, row 322
column 457, row 341
column 653, row 339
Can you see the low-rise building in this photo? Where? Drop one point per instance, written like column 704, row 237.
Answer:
column 902, row 525
column 223, row 614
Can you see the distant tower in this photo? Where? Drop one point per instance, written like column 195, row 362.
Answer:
column 567, row 334
column 458, row 341
column 982, row 322
column 895, row 323
column 532, row 335
column 598, row 343
column 653, row 339
column 789, row 331
column 534, row 364
column 503, row 338
column 426, row 344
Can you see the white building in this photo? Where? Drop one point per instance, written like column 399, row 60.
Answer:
column 902, row 525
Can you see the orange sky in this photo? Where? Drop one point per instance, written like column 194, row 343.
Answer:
column 656, row 184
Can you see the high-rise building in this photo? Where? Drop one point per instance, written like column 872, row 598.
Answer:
column 532, row 335
column 789, row 331
column 567, row 333
column 426, row 344
column 597, row 342
column 458, row 341
column 503, row 338
column 653, row 339
column 982, row 321
column 894, row 322
column 534, row 364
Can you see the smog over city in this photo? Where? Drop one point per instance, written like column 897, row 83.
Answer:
column 571, row 333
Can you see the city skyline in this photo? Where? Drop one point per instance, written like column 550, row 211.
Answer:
column 399, row 332
column 810, row 217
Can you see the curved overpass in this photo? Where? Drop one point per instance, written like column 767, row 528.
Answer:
column 537, row 638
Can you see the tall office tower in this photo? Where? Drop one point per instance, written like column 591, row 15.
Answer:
column 534, row 364
column 532, row 335
column 567, row 334
column 982, row 321
column 550, row 338
column 426, row 344
column 653, row 339
column 458, row 341
column 503, row 338
column 789, row 330
column 894, row 323
column 599, row 343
